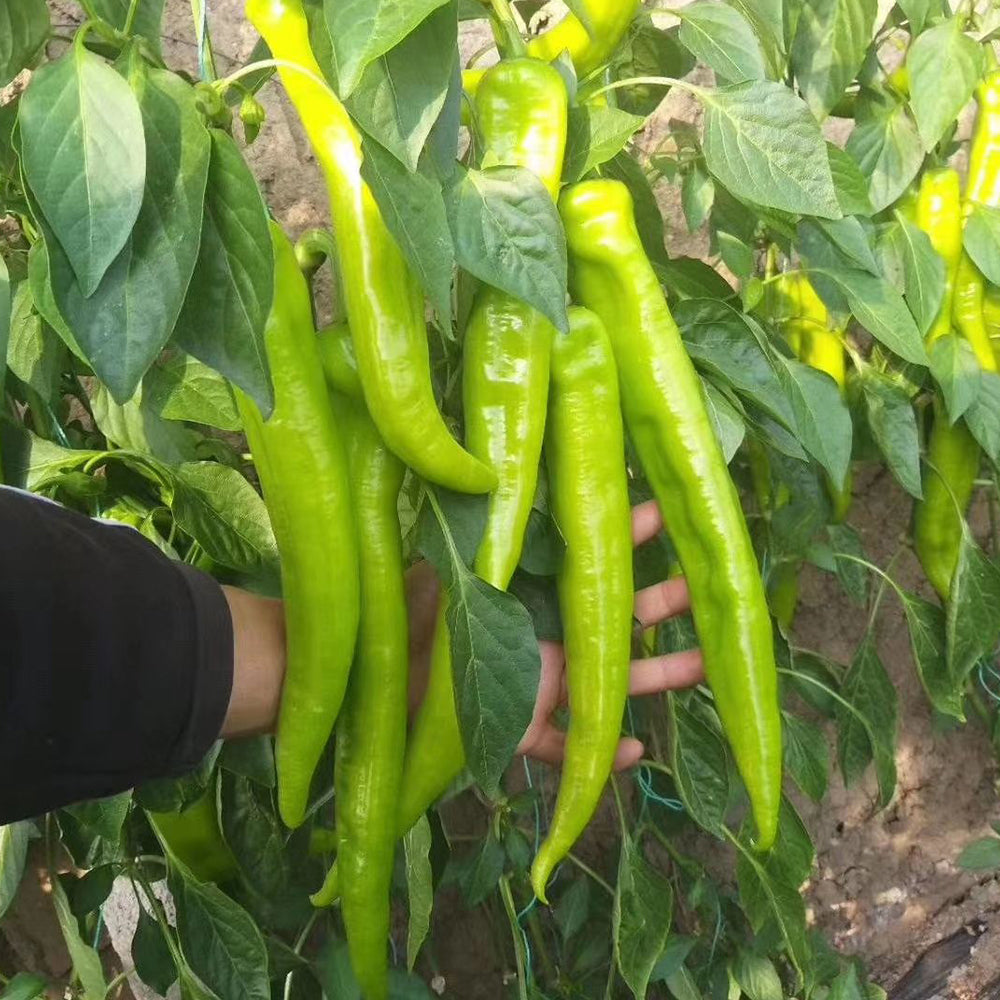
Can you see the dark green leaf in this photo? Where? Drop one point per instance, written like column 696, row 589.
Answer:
column 363, row 30
column 571, row 911
column 868, row 730
column 179, row 387
column 981, row 238
column 648, row 219
column 849, row 183
column 831, row 39
column 219, row 509
column 981, row 855
column 125, row 323
column 972, row 625
column 419, row 887
column 730, row 427
column 507, row 233
column 918, row 12
column 86, row 961
column 88, row 893
column 229, row 298
column 480, row 873
column 24, row 986
column 722, row 38
column 944, row 66
column 698, row 759
column 926, row 624
column 923, row 271
column 736, row 255
column 640, row 917
column 697, row 193
column 596, row 134
column 252, row 756
column 84, row 157
column 135, row 427
column 148, row 18
column 690, row 278
column 763, row 144
column 104, row 816
column 983, row 416
column 894, row 428
column 34, row 353
column 672, row 960
column 218, row 939
column 757, row 976
column 845, row 237
column 807, row 755
column 24, row 26
column 888, row 150
column 649, row 51
column 847, row 987
column 151, row 956
column 957, row 372
column 13, row 853
column 852, row 575
column 413, row 207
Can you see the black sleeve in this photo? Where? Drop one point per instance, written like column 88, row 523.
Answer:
column 116, row 663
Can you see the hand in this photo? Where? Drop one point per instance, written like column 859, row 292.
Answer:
column 543, row 740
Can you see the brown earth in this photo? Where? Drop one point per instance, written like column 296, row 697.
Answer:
column 885, row 886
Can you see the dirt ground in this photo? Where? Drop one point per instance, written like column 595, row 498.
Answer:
column 885, row 887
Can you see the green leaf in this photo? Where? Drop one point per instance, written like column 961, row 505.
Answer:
column 877, row 306
column 672, row 960
column 981, row 855
column 6, row 316
column 853, row 576
column 972, row 625
column 957, row 372
column 983, row 416
column 926, row 624
column 83, row 155
column 807, row 755
column 479, row 873
column 104, row 816
column 363, row 30
column 596, row 134
column 698, row 760
column 763, row 144
column 226, row 516
column 821, row 415
column 848, row 182
column 13, row 853
column 413, row 208
column 918, row 12
column 125, row 323
column 894, row 428
column 151, row 956
column 179, row 387
column 889, row 152
column 730, row 427
column 869, row 731
column 831, row 39
column 944, row 65
column 648, row 219
column 571, row 911
column 34, row 353
column 757, row 976
column 134, row 427
column 923, row 271
column 640, row 917
column 649, row 51
column 847, row 987
column 24, row 26
column 229, row 298
column 507, row 232
column 722, row 38
column 251, row 756
column 846, row 239
column 86, row 962
column 401, row 93
column 697, row 194
column 24, row 986
column 736, row 255
column 981, row 238
column 218, row 939
column 690, row 278
column 419, row 887
column 88, row 893
column 148, row 18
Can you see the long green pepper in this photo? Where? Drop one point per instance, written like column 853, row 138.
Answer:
column 302, row 465
column 673, row 435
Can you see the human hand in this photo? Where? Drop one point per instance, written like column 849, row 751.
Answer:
column 650, row 675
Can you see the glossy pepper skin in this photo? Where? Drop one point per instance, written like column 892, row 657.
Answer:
column 673, row 435
column 939, row 215
column 521, row 107
column 584, row 449
column 384, row 303
column 340, row 366
column 194, row 837
column 371, row 733
column 609, row 20
column 302, row 466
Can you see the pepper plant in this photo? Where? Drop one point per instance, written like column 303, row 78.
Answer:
column 843, row 317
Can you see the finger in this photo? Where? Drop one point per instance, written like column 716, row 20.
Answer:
column 662, row 601
column 547, row 744
column 628, row 754
column 666, row 673
column 646, row 521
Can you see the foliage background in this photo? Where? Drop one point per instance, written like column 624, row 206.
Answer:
column 885, row 885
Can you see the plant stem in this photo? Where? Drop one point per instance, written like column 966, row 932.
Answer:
column 584, row 867
column 133, row 9
column 515, row 931
column 657, row 81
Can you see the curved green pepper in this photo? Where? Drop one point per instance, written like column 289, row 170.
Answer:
column 340, row 366
column 194, row 837
column 939, row 215
column 673, row 435
column 302, row 466
column 384, row 303
column 584, row 454
column 371, row 733
column 609, row 20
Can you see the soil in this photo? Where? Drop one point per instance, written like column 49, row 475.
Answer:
column 885, row 886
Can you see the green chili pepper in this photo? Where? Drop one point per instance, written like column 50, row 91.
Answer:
column 371, row 733
column 939, row 215
column 384, row 303
column 609, row 20
column 193, row 837
column 302, row 466
column 340, row 366
column 584, row 454
column 673, row 435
